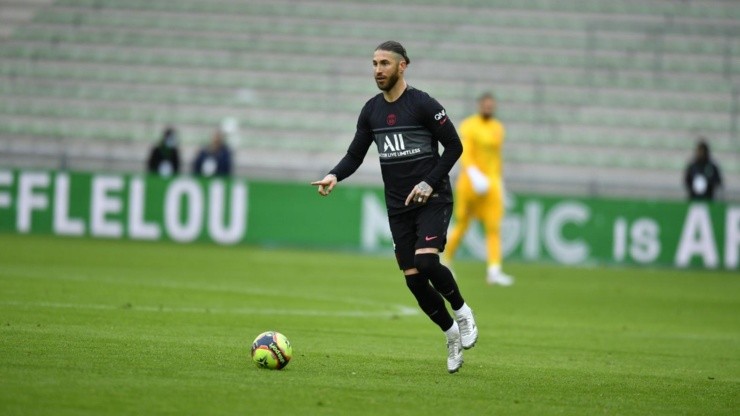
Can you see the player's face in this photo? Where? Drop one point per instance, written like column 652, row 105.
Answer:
column 487, row 107
column 387, row 69
column 701, row 154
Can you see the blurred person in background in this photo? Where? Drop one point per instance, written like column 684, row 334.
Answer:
column 479, row 191
column 164, row 159
column 703, row 177
column 213, row 159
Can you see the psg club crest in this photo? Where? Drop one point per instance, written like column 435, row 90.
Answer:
column 391, row 119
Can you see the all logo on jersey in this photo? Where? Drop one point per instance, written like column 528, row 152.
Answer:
column 394, row 144
column 391, row 120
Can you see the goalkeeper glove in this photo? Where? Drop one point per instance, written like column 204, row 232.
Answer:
column 479, row 180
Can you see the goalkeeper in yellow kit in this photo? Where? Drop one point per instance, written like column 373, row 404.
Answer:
column 479, row 193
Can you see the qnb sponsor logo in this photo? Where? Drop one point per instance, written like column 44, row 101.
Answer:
column 441, row 116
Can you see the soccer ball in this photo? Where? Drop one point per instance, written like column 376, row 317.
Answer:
column 271, row 350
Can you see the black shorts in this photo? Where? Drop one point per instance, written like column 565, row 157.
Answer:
column 424, row 227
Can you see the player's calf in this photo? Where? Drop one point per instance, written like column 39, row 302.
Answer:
column 433, row 305
column 429, row 300
column 428, row 265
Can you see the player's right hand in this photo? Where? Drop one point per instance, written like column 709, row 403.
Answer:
column 326, row 185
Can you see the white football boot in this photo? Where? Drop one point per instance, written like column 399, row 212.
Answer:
column 454, row 353
column 468, row 328
column 495, row 276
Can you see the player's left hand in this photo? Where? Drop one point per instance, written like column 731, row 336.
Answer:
column 420, row 194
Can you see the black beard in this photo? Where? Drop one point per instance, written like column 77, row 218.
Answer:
column 392, row 80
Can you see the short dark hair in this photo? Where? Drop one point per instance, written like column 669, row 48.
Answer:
column 703, row 144
column 486, row 96
column 168, row 132
column 393, row 46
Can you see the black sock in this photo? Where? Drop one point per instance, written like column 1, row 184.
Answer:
column 428, row 265
column 429, row 300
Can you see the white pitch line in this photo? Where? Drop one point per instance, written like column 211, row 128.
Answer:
column 98, row 277
column 399, row 310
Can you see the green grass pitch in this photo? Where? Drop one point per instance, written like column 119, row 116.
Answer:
column 110, row 327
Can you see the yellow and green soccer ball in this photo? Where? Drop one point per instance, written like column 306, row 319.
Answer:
column 271, row 350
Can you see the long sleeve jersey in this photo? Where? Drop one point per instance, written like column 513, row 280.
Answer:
column 407, row 134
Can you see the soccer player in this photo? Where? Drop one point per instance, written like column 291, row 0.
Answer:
column 407, row 126
column 480, row 186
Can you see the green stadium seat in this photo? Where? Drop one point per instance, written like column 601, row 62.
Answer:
column 587, row 75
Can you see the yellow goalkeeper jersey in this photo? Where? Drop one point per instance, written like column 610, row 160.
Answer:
column 483, row 141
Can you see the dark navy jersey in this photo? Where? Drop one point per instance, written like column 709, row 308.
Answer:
column 702, row 179
column 407, row 134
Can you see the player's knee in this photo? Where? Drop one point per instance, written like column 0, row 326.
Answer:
column 416, row 283
column 492, row 227
column 426, row 262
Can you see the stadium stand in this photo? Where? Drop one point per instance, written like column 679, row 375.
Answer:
column 599, row 97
